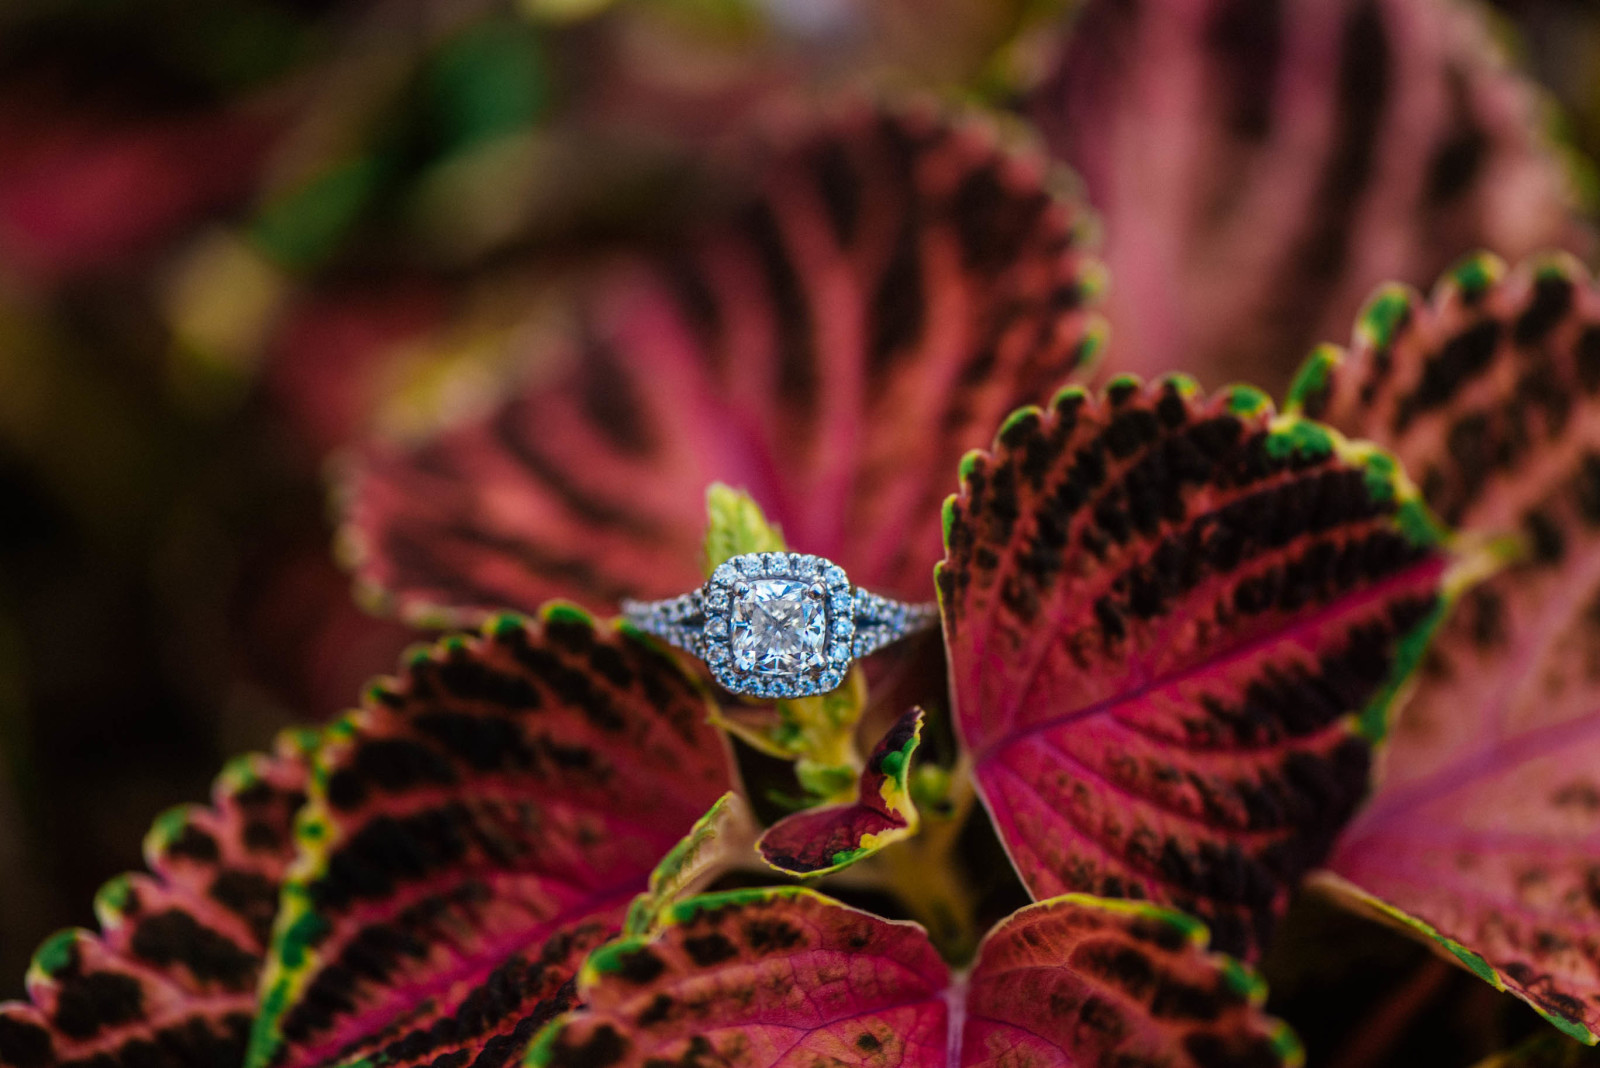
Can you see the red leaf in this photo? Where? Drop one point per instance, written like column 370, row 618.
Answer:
column 832, row 347
column 1260, row 167
column 762, row 978
column 824, row 839
column 81, row 193
column 477, row 827
column 1174, row 628
column 1081, row 980
column 176, row 964
column 1484, row 832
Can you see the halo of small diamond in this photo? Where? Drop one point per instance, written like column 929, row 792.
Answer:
column 733, row 578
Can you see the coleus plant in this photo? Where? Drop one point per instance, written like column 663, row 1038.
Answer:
column 1176, row 626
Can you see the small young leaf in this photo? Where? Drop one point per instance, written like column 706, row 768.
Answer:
column 472, row 832
column 723, row 834
column 1260, row 167
column 1175, row 626
column 822, row 840
column 735, row 525
column 817, row 732
column 770, row 978
column 175, row 965
column 1482, row 832
column 897, row 282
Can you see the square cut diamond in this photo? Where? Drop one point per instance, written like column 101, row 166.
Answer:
column 779, row 627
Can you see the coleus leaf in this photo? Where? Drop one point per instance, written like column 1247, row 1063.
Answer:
column 1175, row 626
column 1484, row 831
column 763, row 978
column 824, row 839
column 897, row 282
column 471, row 832
column 171, row 978
column 1260, row 167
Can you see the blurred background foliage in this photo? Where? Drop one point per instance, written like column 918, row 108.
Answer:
column 237, row 235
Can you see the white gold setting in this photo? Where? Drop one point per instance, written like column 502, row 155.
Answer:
column 779, row 624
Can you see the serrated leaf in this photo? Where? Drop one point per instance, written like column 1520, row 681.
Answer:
column 1175, row 626
column 898, row 281
column 1484, row 829
column 175, row 964
column 750, row 977
column 830, row 837
column 1260, row 167
column 761, row 978
column 477, row 827
column 1083, row 980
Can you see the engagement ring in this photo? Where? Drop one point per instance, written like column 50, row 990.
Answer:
column 779, row 624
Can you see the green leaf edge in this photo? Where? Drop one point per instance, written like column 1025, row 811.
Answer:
column 1347, row 891
column 1240, row 977
column 896, row 795
column 678, row 869
column 609, row 958
column 1290, row 433
column 54, row 953
column 290, row 959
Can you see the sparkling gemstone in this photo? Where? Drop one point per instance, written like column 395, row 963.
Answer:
column 779, row 626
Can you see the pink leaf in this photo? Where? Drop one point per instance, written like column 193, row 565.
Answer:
column 1485, row 829
column 472, row 832
column 825, row 839
column 175, row 965
column 1174, row 628
column 782, row 977
column 1261, row 166
column 1083, row 981
column 832, row 347
column 84, row 192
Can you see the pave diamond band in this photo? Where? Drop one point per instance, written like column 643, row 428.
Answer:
column 779, row 624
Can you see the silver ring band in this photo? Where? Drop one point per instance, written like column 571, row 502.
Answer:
column 779, row 624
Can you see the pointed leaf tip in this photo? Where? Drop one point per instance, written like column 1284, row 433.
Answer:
column 1175, row 626
column 735, row 525
column 720, row 838
column 1480, row 834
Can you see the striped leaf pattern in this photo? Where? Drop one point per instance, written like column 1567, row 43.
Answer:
column 1082, row 980
column 1262, row 164
column 478, row 826
column 832, row 346
column 1175, row 625
column 769, row 978
column 1485, row 830
column 170, row 980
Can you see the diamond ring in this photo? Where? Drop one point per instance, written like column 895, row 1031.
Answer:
column 779, row 624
